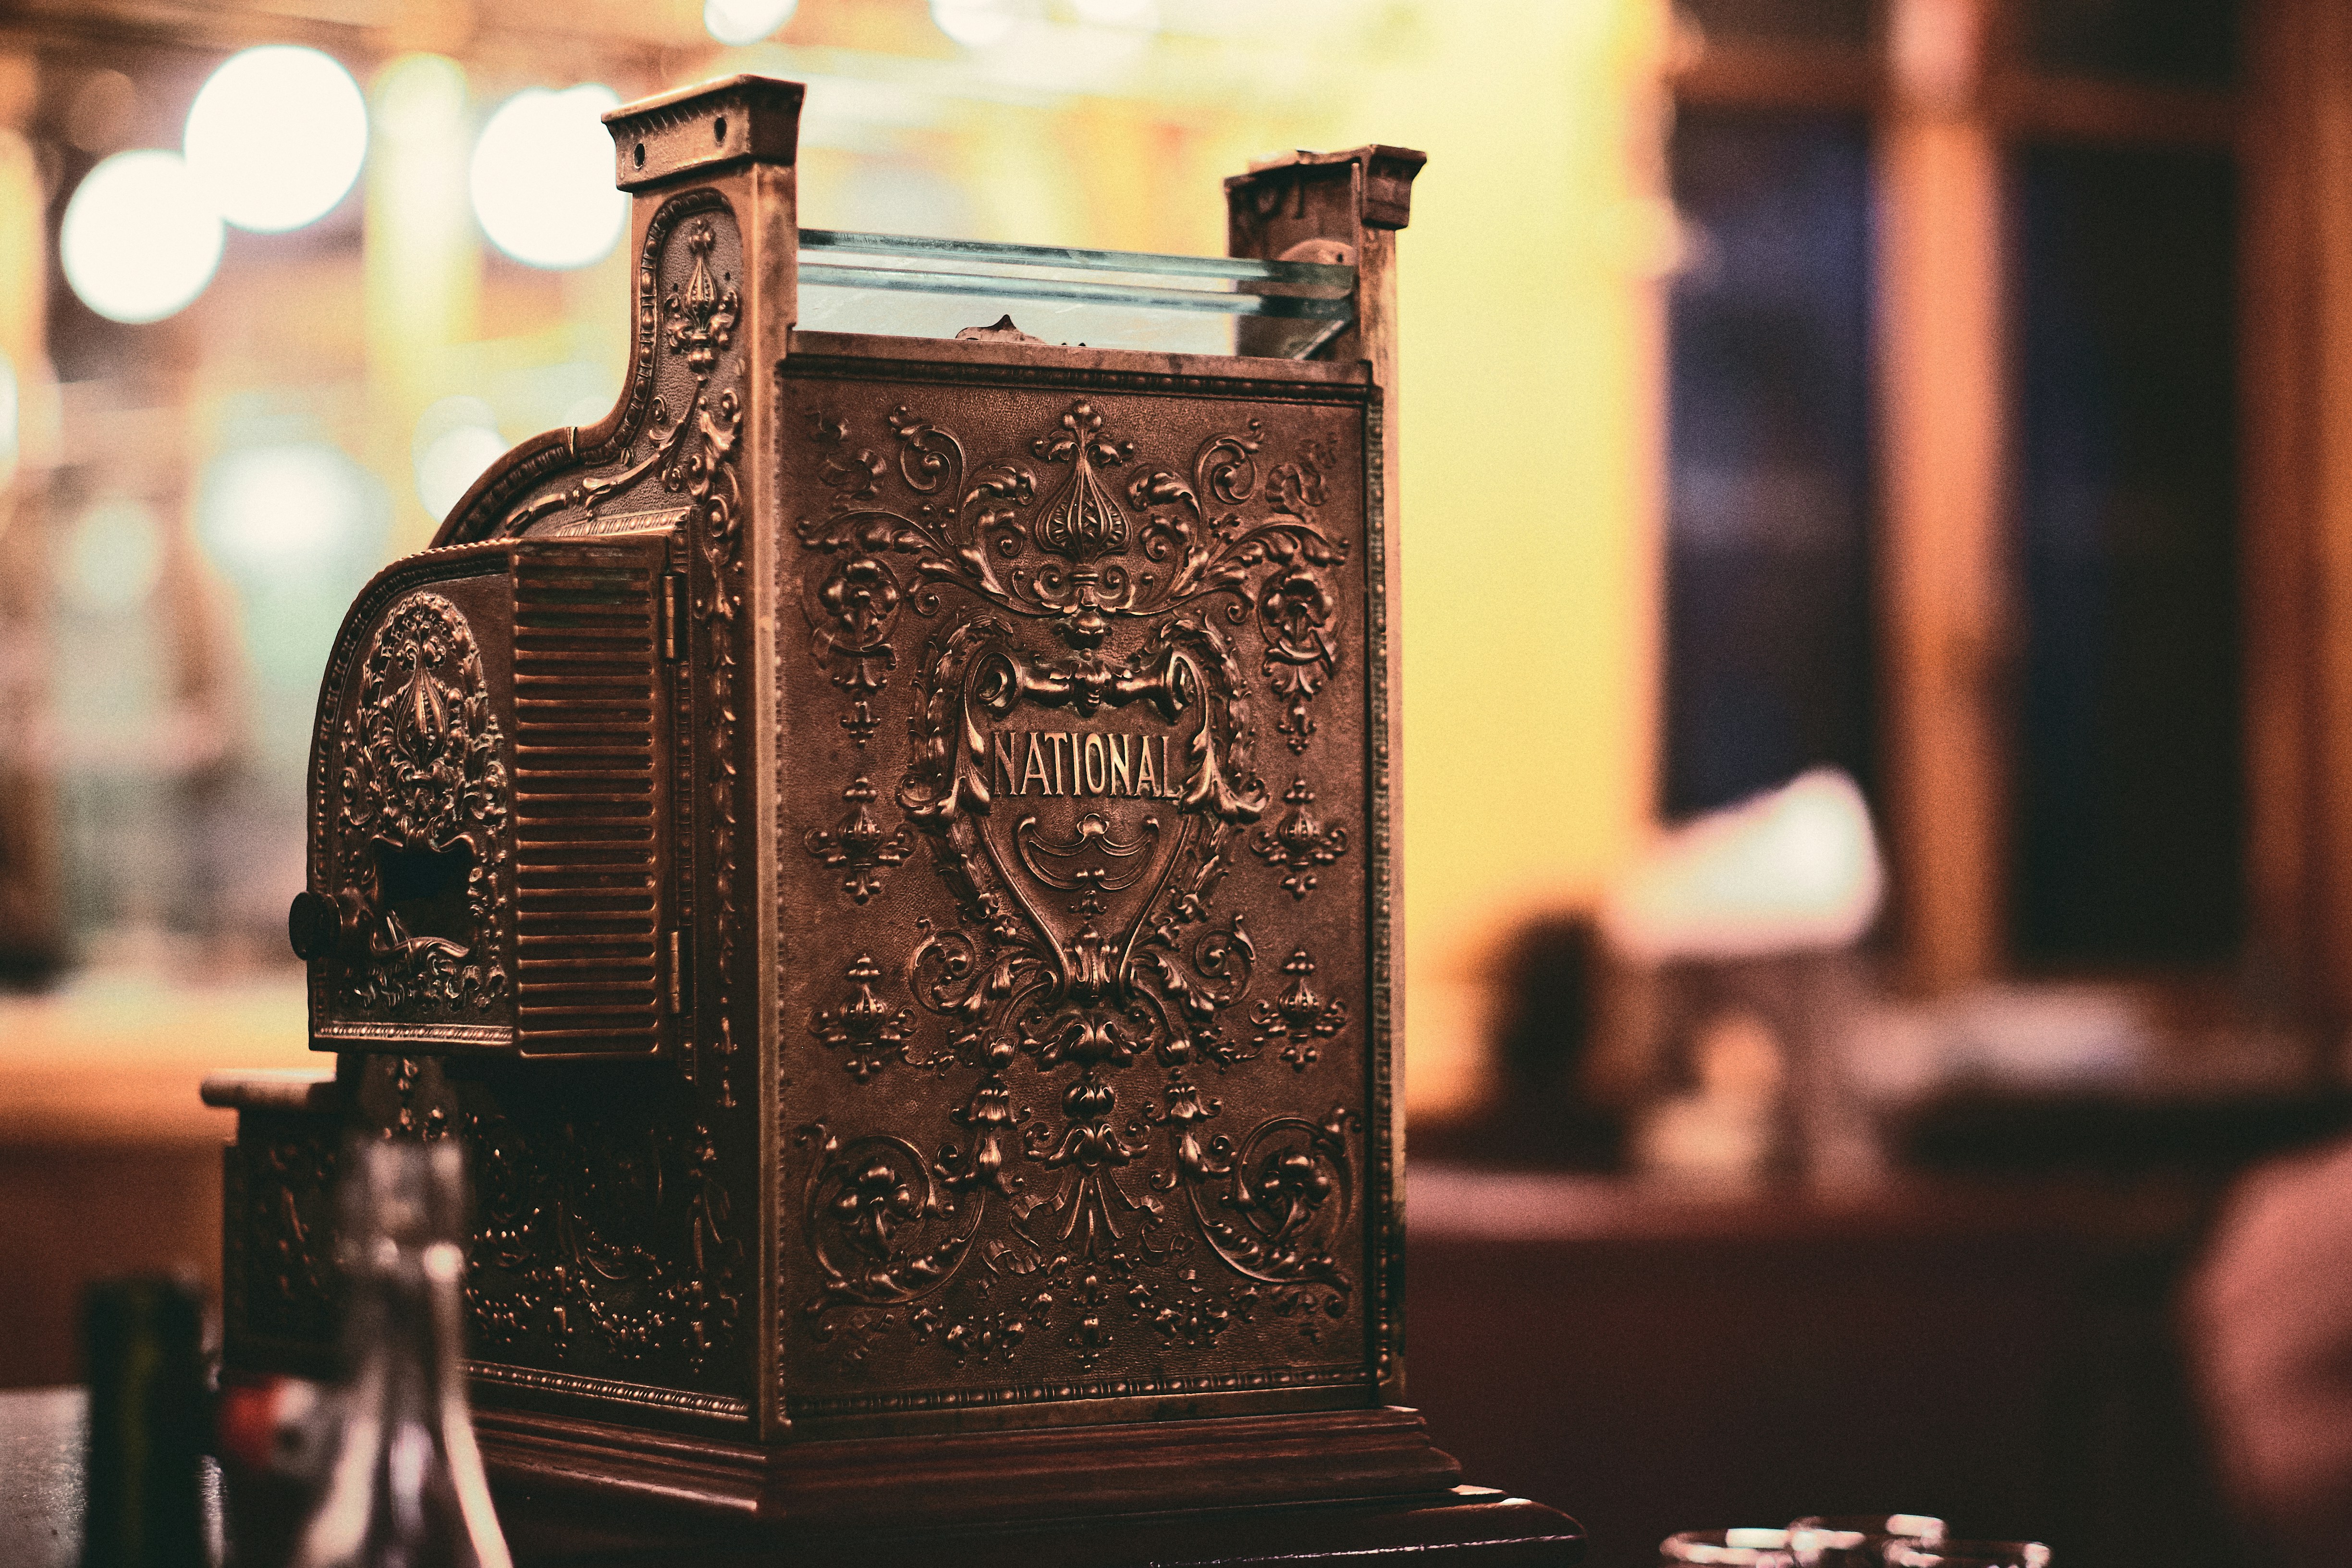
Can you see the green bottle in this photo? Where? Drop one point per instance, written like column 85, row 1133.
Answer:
column 143, row 1493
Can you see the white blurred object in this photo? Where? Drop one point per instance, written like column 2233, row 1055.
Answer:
column 745, row 21
column 542, row 177
column 2045, row 1036
column 2012, row 1037
column 974, row 23
column 1726, row 1129
column 283, row 512
column 139, row 239
column 1793, row 870
column 275, row 136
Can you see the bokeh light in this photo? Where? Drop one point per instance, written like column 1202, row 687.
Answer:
column 975, row 24
column 288, row 512
column 139, row 239
column 542, row 177
column 275, row 136
column 745, row 21
column 456, row 439
column 113, row 556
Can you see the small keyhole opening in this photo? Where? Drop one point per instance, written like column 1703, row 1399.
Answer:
column 640, row 154
column 422, row 891
column 718, row 129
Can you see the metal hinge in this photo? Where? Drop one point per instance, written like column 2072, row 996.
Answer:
column 677, row 976
column 671, row 590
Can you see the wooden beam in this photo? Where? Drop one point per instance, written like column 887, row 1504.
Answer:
column 2115, row 113
column 1942, row 441
column 2296, row 430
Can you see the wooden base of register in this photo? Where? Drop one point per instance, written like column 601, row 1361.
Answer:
column 1474, row 1526
column 1355, row 1486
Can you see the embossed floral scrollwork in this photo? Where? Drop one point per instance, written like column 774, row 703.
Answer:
column 1092, row 995
column 1074, row 560
column 1089, row 606
column 1277, row 1208
column 1295, row 611
column 424, row 801
column 619, row 1232
column 881, row 1228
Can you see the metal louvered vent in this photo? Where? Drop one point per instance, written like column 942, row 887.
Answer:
column 590, row 789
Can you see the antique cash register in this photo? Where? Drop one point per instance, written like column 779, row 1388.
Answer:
column 882, row 851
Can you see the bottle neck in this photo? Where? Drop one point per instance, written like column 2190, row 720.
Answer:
column 407, row 1468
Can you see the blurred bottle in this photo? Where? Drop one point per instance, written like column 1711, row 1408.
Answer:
column 143, row 1493
column 406, row 1487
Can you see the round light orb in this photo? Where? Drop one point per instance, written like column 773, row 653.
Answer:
column 113, row 557
column 455, row 440
column 282, row 512
column 139, row 239
column 745, row 21
column 542, row 177
column 974, row 23
column 275, row 136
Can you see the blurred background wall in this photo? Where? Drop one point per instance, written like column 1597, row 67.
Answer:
column 195, row 499
column 1939, row 404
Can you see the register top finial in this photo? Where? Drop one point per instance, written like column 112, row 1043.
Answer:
column 702, row 127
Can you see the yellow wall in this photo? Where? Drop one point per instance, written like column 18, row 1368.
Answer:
column 1532, row 409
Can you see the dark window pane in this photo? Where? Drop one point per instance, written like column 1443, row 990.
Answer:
column 1768, row 624
column 2185, row 42
column 2128, row 797
column 1781, row 21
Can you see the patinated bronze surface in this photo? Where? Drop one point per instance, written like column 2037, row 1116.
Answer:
column 881, row 849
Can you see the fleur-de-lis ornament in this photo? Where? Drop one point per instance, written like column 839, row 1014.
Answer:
column 864, row 1028
column 1082, row 521
column 1298, row 841
column 1299, row 1018
column 701, row 316
column 857, row 846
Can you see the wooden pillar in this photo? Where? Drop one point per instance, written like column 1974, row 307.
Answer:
column 2296, row 360
column 1945, row 637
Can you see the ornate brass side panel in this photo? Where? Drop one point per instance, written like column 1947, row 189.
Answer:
column 1077, row 1005
column 610, row 1256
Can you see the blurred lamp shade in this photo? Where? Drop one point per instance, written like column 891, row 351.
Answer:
column 1795, row 870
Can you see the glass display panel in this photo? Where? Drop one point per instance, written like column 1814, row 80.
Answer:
column 2185, row 42
column 2129, row 792
column 903, row 285
column 1769, row 622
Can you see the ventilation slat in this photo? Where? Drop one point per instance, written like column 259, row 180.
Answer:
column 587, row 670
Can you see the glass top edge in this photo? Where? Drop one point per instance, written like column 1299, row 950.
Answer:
column 1142, row 261
column 894, row 265
column 1284, row 306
